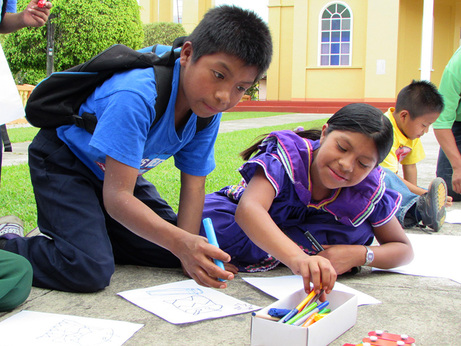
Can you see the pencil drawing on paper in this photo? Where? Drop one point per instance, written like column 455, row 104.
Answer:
column 74, row 333
column 243, row 306
column 189, row 300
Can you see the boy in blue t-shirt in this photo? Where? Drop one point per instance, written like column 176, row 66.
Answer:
column 95, row 208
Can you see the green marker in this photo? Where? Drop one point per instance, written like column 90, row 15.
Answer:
column 302, row 313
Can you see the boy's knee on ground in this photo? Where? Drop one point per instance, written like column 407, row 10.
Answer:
column 91, row 278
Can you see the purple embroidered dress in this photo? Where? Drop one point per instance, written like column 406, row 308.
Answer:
column 346, row 217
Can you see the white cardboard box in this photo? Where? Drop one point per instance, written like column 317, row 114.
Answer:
column 342, row 317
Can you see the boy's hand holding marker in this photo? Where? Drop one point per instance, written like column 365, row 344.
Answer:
column 211, row 236
column 195, row 259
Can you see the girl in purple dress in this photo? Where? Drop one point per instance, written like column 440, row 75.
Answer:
column 326, row 182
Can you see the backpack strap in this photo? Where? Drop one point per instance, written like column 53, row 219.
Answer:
column 164, row 77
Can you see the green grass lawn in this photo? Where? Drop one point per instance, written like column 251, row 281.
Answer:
column 24, row 134
column 16, row 197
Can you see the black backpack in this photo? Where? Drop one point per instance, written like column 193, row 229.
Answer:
column 57, row 99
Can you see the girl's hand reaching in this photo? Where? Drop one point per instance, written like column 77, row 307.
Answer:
column 315, row 269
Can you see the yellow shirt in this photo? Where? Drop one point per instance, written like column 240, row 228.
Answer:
column 404, row 151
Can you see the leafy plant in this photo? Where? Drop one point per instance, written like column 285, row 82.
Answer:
column 162, row 33
column 82, row 29
column 253, row 92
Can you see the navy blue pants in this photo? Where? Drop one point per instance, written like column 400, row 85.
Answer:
column 85, row 241
column 444, row 169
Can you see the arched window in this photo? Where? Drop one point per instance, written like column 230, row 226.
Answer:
column 336, row 35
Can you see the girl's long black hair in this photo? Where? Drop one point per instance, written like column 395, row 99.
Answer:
column 355, row 117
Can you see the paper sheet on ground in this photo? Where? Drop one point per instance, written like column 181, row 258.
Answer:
column 12, row 107
column 282, row 286
column 435, row 255
column 453, row 216
column 186, row 302
column 39, row 328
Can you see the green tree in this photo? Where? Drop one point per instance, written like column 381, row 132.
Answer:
column 162, row 33
column 82, row 29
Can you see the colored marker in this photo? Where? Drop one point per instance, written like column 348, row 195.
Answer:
column 313, row 241
column 297, row 309
column 306, row 300
column 306, row 315
column 303, row 313
column 211, row 236
column 310, row 320
column 317, row 296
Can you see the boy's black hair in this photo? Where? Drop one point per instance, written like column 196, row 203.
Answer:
column 355, row 117
column 419, row 98
column 234, row 31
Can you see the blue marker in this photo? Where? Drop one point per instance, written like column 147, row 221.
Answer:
column 211, row 235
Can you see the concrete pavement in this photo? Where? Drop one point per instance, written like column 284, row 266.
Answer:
column 423, row 307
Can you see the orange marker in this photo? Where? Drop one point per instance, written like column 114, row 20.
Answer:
column 310, row 320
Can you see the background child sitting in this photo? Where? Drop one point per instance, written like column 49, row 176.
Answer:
column 418, row 105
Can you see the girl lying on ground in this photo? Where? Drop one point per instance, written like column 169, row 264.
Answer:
column 326, row 182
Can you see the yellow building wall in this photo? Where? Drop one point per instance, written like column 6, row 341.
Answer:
column 386, row 45
column 447, row 28
column 380, row 51
column 193, row 12
column 308, row 80
column 281, row 72
column 341, row 82
column 409, row 45
column 299, row 50
column 152, row 11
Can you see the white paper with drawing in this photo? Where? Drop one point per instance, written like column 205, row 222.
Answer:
column 186, row 302
column 40, row 328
